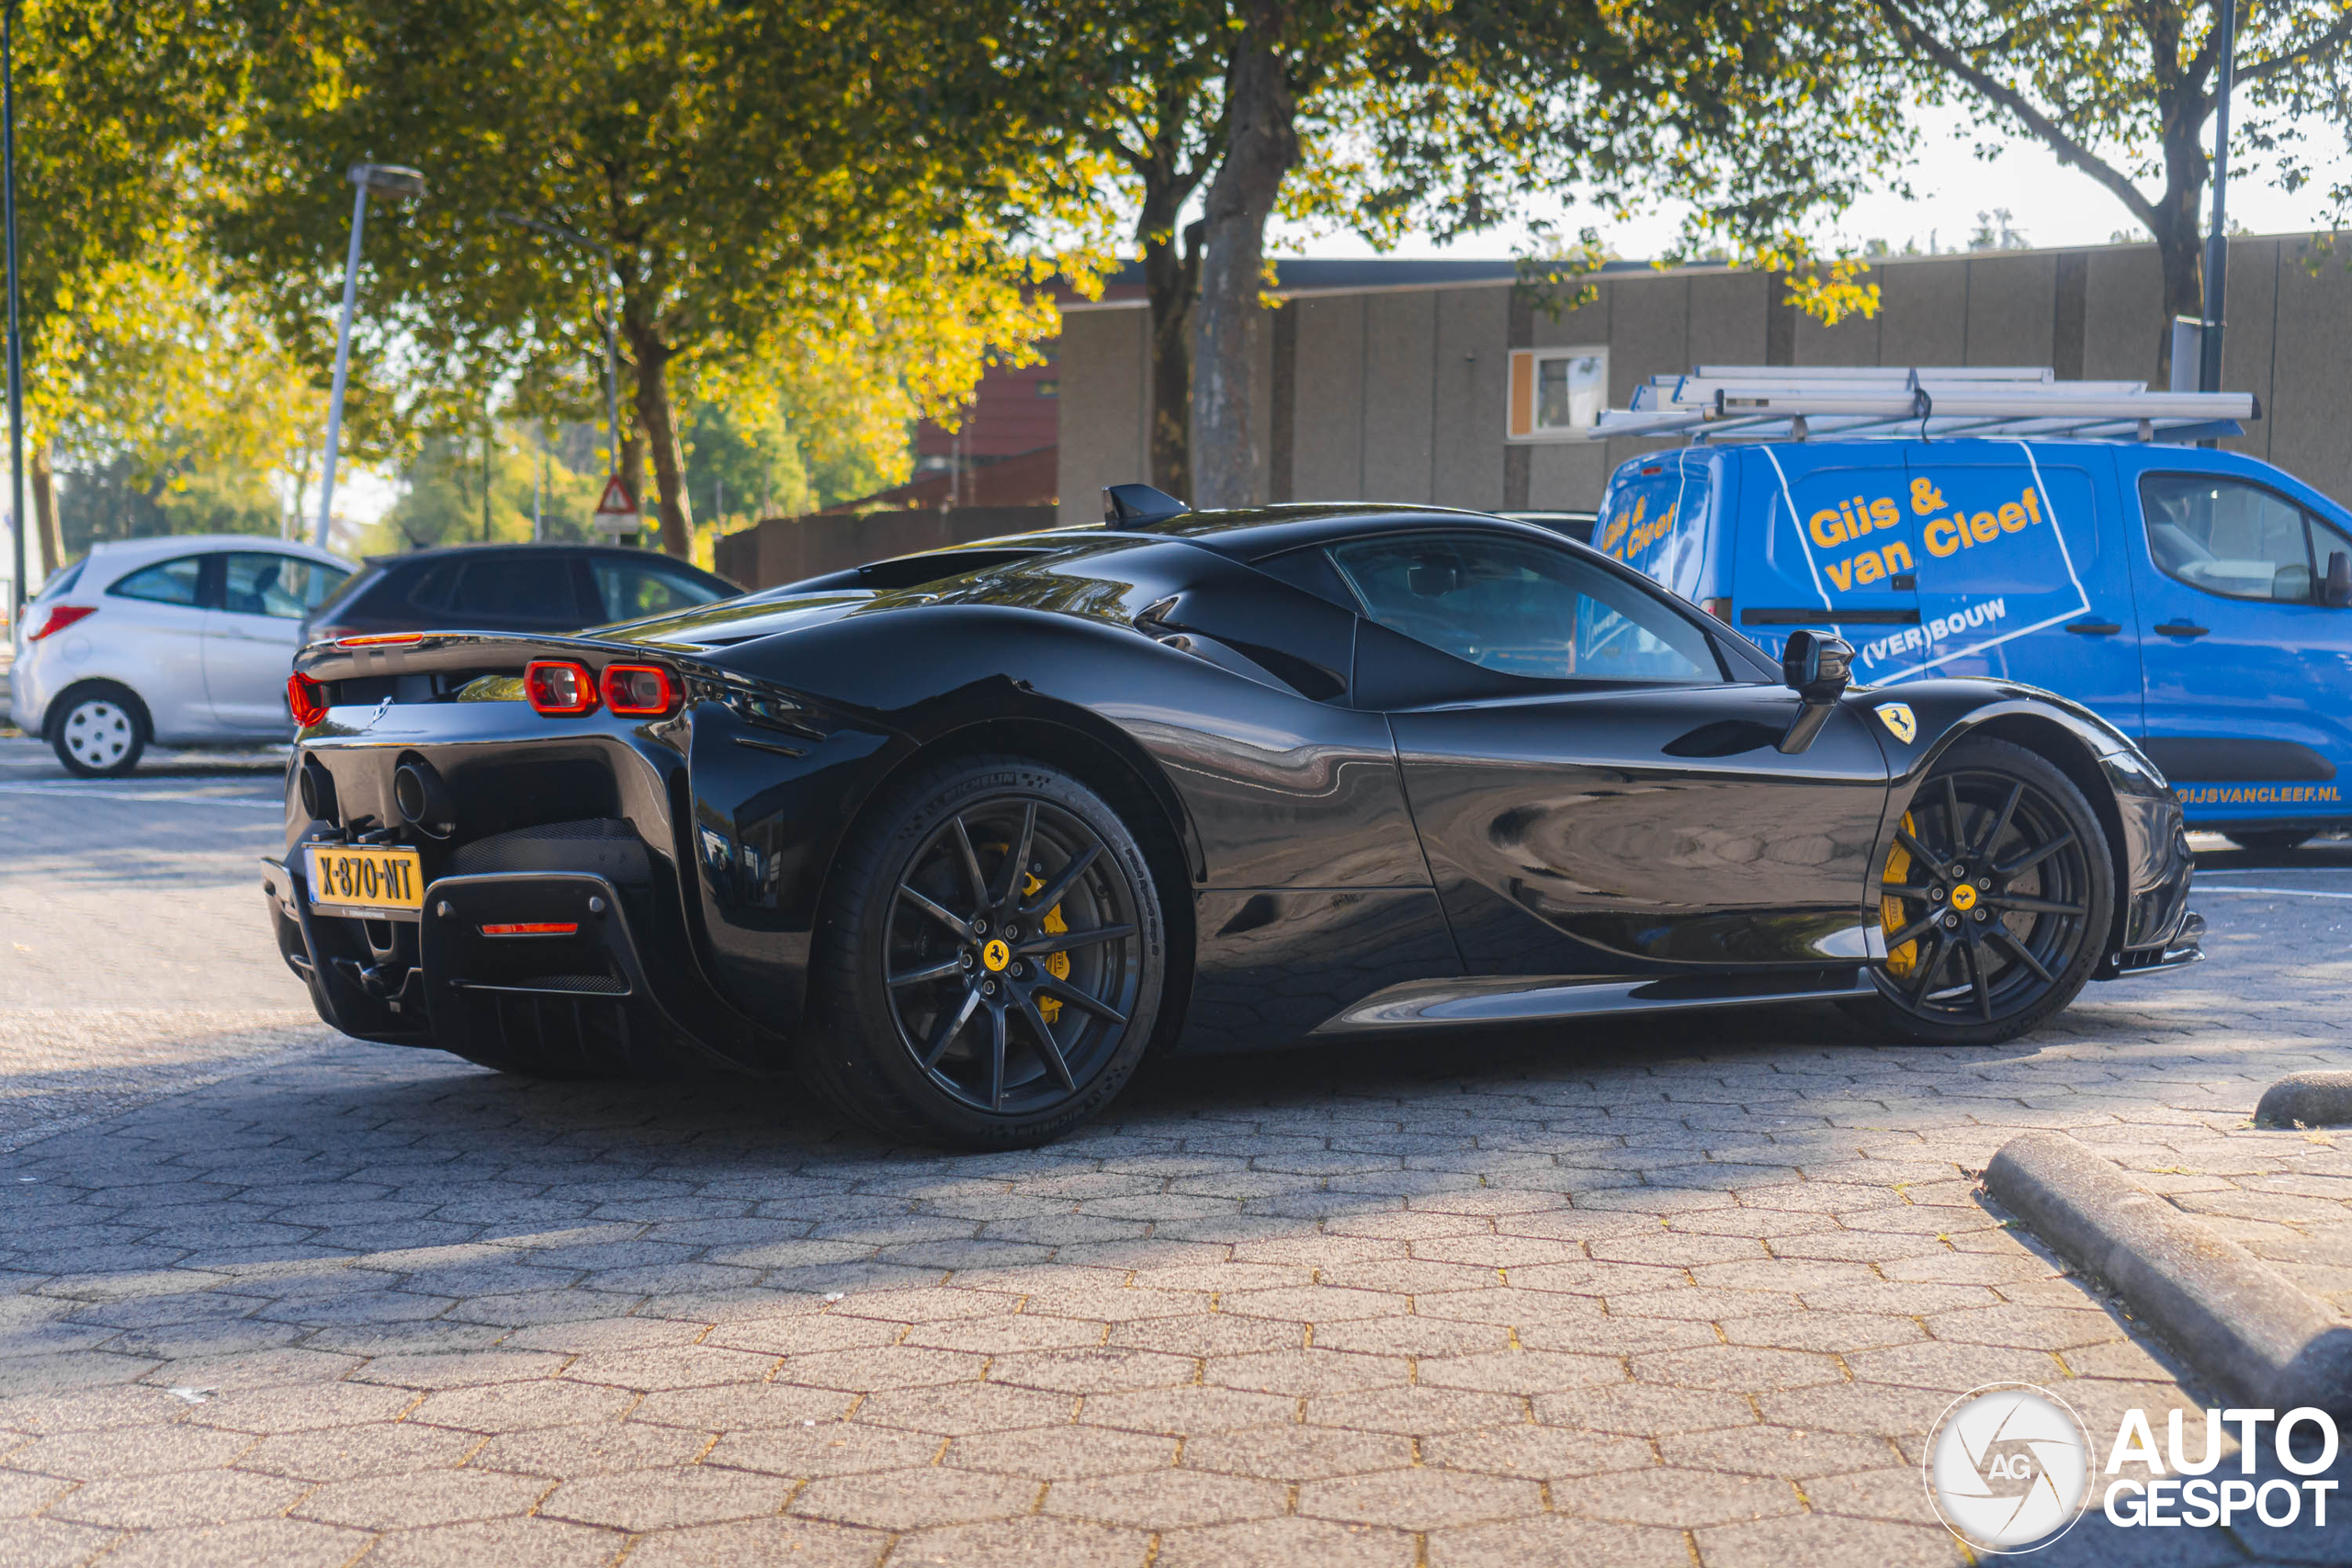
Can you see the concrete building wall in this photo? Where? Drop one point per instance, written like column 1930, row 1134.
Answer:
column 1106, row 378
column 1398, row 393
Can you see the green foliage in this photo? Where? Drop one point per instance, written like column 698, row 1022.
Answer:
column 119, row 498
column 442, row 502
column 761, row 175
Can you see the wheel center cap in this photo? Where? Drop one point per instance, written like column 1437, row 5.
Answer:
column 996, row 955
column 1964, row 897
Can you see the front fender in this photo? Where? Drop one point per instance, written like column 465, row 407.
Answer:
column 2147, row 841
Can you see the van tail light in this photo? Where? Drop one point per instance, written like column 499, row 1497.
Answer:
column 306, row 700
column 559, row 688
column 640, row 691
column 1719, row 608
column 59, row 617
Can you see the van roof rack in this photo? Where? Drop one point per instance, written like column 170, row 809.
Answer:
column 1782, row 402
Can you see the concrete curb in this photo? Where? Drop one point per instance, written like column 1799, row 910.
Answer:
column 2307, row 1100
column 2239, row 1321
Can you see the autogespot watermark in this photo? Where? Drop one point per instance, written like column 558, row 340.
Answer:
column 2010, row 1469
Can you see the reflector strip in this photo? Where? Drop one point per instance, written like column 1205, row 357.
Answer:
column 533, row 927
column 378, row 640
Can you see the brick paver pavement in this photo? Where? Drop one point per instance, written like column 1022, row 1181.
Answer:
column 1657, row 1294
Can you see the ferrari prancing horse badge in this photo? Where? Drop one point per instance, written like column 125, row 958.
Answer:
column 1899, row 719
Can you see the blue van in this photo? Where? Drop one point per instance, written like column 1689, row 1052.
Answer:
column 2200, row 600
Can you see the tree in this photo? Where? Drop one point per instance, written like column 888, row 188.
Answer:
column 1442, row 116
column 738, row 174
column 2124, row 94
column 111, row 98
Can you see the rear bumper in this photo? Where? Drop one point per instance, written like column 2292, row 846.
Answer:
column 604, row 996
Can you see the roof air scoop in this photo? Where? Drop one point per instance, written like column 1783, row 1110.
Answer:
column 1139, row 503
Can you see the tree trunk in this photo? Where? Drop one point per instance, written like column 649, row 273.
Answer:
column 1171, row 273
column 657, row 431
column 44, row 489
column 1262, row 144
column 2180, row 246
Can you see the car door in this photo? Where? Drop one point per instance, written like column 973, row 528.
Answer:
column 150, row 628
column 1824, row 541
column 2019, row 579
column 1596, row 790
column 2246, row 667
column 251, row 633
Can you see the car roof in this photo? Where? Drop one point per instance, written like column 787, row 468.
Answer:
column 564, row 548
column 1253, row 534
column 118, row 556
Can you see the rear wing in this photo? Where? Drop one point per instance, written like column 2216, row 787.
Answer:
column 1780, row 402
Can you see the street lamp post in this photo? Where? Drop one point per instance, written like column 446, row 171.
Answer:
column 2217, row 242
column 15, row 345
column 394, row 183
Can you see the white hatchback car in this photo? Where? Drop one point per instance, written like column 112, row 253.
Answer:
column 183, row 640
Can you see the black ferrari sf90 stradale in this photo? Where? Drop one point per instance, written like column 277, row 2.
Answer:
column 960, row 836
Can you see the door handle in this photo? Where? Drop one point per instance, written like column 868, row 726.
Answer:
column 2094, row 629
column 2179, row 626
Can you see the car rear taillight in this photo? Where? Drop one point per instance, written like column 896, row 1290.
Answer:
column 559, row 688
column 640, row 691
column 379, row 640
column 306, row 700
column 59, row 617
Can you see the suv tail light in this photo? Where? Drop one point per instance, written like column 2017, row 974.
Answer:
column 559, row 688
column 59, row 617
column 306, row 700
column 640, row 691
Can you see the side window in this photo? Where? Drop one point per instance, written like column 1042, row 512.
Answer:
column 516, row 587
column 1513, row 607
column 286, row 587
column 166, row 582
column 2227, row 538
column 628, row 589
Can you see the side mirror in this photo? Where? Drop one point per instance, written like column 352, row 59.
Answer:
column 1817, row 669
column 2335, row 593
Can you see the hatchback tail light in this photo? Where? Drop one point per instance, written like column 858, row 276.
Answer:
column 559, row 688
column 306, row 699
column 640, row 691
column 59, row 617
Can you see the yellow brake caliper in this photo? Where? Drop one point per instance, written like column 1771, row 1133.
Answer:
column 1056, row 963
column 1899, row 960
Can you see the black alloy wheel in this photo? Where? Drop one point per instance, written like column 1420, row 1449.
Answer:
column 996, row 971
column 1996, row 899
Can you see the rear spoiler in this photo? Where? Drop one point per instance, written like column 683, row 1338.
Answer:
column 416, row 653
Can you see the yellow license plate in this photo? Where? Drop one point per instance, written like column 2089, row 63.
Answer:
column 365, row 877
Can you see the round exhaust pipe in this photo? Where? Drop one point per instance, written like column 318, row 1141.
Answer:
column 315, row 787
column 423, row 799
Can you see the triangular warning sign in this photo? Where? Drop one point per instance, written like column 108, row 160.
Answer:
column 617, row 501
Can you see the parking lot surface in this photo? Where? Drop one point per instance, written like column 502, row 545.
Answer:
column 1689, row 1293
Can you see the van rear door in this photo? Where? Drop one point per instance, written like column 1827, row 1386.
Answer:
column 1658, row 517
column 1824, row 542
column 2018, row 578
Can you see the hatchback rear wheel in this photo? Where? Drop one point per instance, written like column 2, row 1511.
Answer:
column 1997, row 900
column 98, row 731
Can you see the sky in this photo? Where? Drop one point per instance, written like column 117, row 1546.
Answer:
column 2050, row 205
